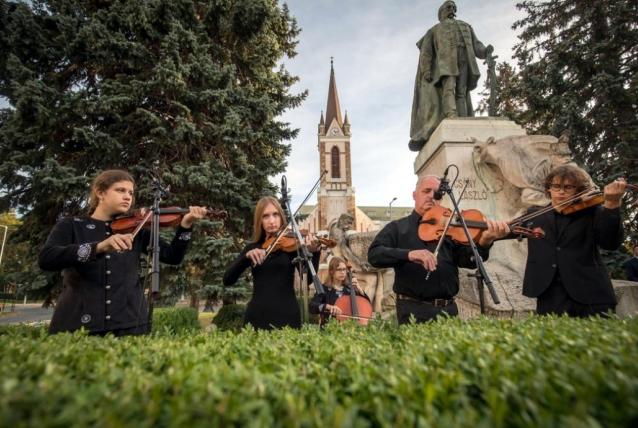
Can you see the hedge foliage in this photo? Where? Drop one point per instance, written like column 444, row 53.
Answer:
column 482, row 373
column 230, row 317
column 175, row 320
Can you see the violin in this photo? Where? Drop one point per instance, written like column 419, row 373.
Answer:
column 352, row 305
column 287, row 242
column 587, row 199
column 169, row 217
column 433, row 224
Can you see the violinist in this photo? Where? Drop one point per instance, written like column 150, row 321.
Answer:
column 336, row 287
column 565, row 271
column 273, row 303
column 398, row 246
column 102, row 291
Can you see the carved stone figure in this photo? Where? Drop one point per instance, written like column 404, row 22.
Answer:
column 446, row 74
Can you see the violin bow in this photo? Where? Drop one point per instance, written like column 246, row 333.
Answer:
column 283, row 229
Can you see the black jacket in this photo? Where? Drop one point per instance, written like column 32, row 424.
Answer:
column 102, row 292
column 631, row 269
column 391, row 246
column 572, row 252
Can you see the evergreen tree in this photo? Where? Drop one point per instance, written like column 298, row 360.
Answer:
column 196, row 86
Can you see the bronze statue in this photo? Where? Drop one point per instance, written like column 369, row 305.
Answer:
column 446, row 74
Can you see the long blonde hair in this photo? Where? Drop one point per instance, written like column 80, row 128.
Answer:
column 103, row 181
column 259, row 234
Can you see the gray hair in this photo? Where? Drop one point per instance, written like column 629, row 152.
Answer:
column 424, row 177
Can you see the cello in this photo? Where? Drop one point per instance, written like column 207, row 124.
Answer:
column 352, row 305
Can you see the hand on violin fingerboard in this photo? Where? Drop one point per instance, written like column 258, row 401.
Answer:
column 312, row 243
column 193, row 215
column 496, row 229
column 613, row 193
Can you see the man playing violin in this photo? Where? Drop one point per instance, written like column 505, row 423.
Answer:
column 102, row 291
column 565, row 271
column 398, row 246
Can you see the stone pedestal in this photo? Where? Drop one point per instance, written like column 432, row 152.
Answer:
column 452, row 143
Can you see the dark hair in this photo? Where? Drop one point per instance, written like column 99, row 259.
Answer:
column 103, row 181
column 576, row 175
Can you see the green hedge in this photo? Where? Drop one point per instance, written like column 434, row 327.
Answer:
column 230, row 317
column 484, row 373
column 175, row 320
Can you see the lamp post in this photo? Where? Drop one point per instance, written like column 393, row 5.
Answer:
column 390, row 205
column 4, row 238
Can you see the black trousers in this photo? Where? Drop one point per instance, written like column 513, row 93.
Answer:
column 555, row 300
column 423, row 311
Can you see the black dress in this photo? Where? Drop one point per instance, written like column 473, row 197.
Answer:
column 102, row 292
column 273, row 303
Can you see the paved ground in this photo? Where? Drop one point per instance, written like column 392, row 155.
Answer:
column 29, row 313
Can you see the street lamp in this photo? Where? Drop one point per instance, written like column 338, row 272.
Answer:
column 4, row 238
column 390, row 205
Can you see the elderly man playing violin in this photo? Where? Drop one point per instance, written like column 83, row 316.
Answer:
column 565, row 271
column 398, row 246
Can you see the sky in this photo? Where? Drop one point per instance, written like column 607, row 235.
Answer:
column 373, row 43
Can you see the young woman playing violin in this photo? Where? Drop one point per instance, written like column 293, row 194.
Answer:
column 102, row 291
column 273, row 303
column 336, row 287
column 565, row 271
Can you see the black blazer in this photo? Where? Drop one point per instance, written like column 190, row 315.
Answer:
column 574, row 254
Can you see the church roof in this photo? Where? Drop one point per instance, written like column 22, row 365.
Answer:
column 377, row 213
column 333, row 109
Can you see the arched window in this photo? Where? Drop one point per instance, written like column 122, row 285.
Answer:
column 336, row 164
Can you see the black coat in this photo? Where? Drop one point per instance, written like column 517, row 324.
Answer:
column 102, row 292
column 631, row 269
column 573, row 253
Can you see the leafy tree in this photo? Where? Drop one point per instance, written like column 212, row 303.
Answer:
column 196, row 86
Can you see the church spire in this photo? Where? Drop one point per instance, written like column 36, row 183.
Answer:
column 333, row 109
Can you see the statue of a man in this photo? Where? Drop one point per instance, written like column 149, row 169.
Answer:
column 446, row 74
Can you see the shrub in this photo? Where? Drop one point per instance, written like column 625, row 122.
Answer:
column 230, row 317
column 175, row 320
column 537, row 372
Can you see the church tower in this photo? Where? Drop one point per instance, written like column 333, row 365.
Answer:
column 336, row 194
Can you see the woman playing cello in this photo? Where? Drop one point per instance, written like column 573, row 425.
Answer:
column 273, row 303
column 102, row 291
column 336, row 287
